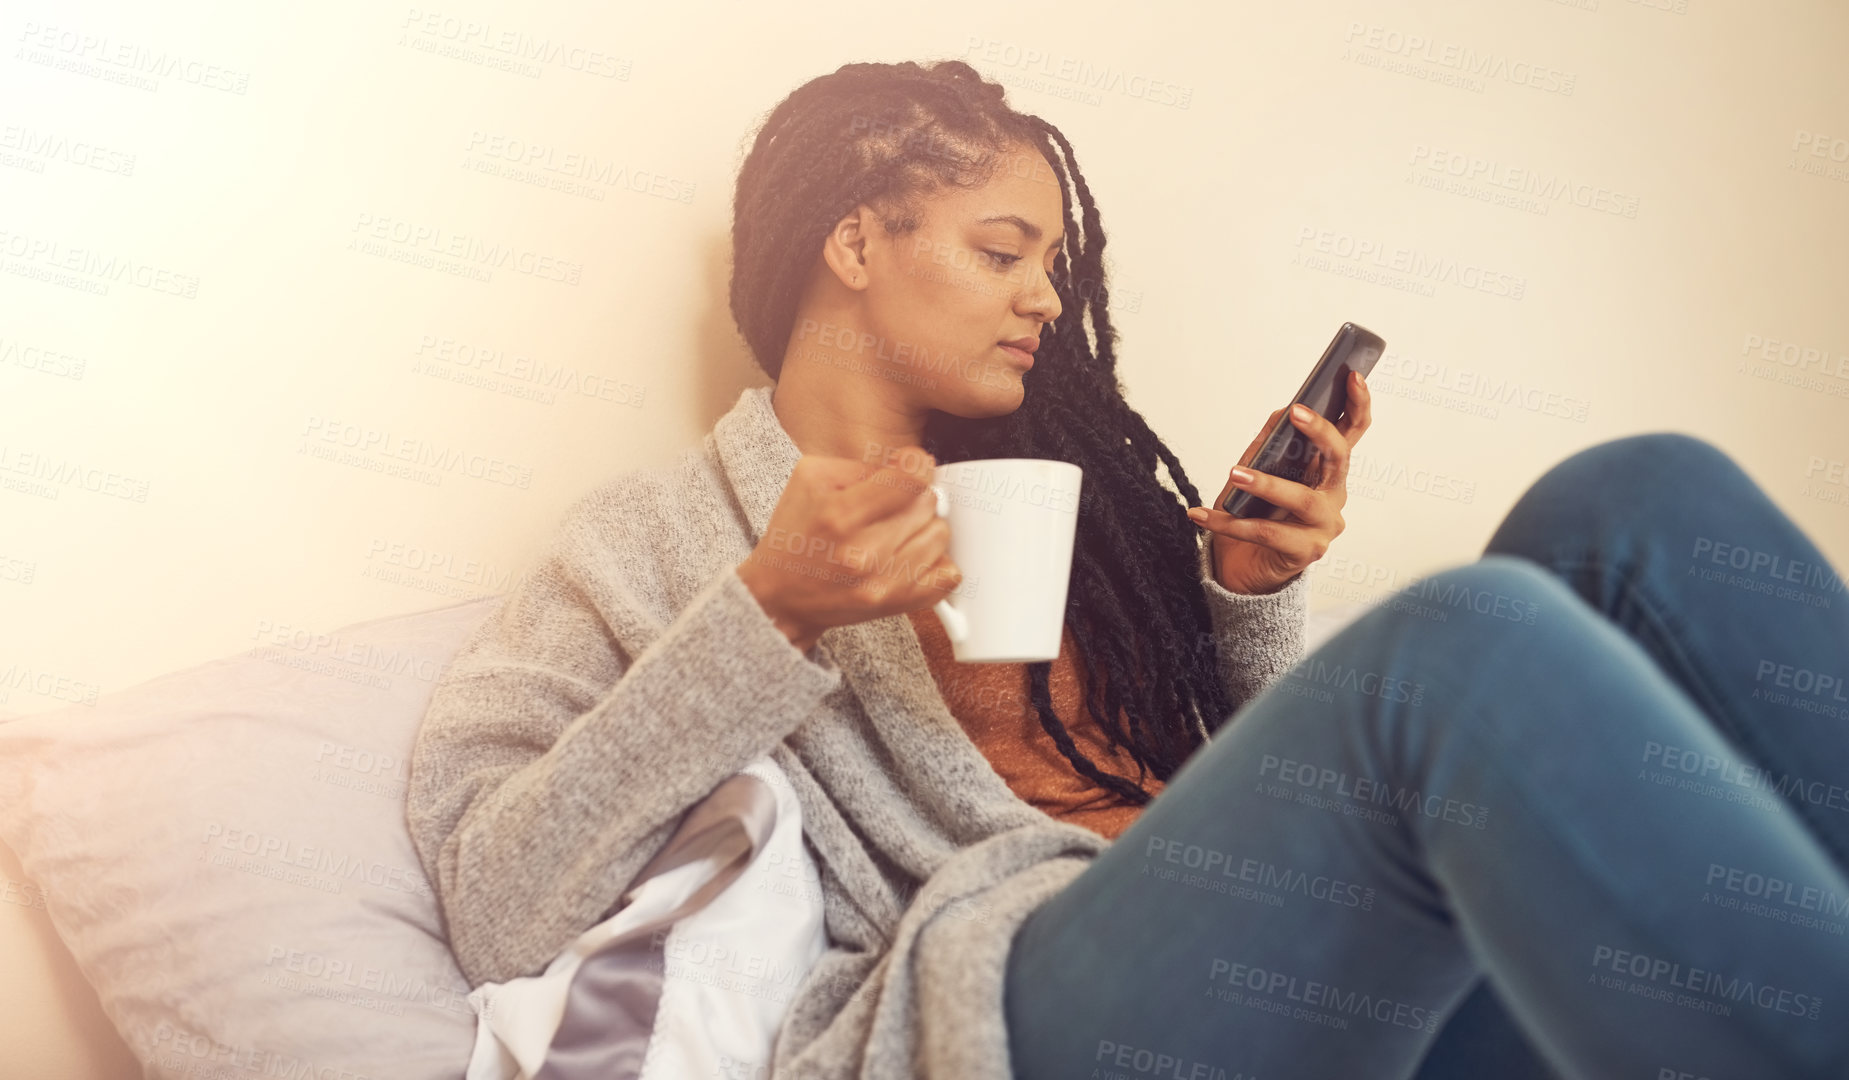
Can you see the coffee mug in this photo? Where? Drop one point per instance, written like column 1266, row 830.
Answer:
column 1012, row 525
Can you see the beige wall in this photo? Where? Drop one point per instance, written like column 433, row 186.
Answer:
column 157, row 509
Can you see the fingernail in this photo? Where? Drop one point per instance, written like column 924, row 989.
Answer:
column 1242, row 476
column 1197, row 514
column 1300, row 412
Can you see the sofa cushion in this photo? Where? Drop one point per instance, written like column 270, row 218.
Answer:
column 224, row 852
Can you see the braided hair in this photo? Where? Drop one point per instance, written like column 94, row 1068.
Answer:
column 887, row 135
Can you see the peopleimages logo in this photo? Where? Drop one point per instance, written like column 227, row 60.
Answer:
column 1454, row 56
column 1336, row 784
column 1735, row 781
column 1776, row 890
column 1764, row 572
column 424, row 244
column 272, row 851
column 517, row 47
column 1164, row 1066
column 1321, row 995
column 1078, row 74
column 101, row 55
column 1548, row 187
column 1417, row 266
column 1479, row 392
column 1670, row 975
column 37, row 147
column 562, row 165
column 1258, row 872
column 88, row 268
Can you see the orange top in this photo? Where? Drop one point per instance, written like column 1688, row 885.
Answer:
column 992, row 703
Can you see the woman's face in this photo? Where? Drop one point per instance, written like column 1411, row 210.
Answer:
column 935, row 306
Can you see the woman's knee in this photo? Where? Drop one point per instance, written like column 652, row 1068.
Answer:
column 1632, row 466
column 1497, row 588
column 1609, row 485
column 1652, row 458
column 1468, row 647
column 1496, row 605
column 1477, row 645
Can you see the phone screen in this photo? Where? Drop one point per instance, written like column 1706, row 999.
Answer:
column 1288, row 452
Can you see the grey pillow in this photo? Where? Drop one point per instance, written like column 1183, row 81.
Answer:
column 224, row 852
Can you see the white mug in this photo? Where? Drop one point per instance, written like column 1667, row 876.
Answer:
column 1012, row 525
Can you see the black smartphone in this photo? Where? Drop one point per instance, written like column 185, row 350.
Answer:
column 1288, row 452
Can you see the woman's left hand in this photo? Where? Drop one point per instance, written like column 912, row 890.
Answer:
column 1253, row 555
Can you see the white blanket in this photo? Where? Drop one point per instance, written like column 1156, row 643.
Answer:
column 727, row 969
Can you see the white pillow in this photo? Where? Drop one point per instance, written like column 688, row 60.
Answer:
column 224, row 852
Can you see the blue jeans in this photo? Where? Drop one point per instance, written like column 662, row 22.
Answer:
column 1602, row 771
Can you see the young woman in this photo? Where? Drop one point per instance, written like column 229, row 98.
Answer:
column 1598, row 770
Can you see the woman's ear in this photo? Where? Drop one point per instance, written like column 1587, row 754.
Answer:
column 844, row 249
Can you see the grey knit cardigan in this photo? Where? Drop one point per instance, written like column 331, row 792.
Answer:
column 630, row 672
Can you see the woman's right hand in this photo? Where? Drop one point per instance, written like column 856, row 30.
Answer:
column 849, row 542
